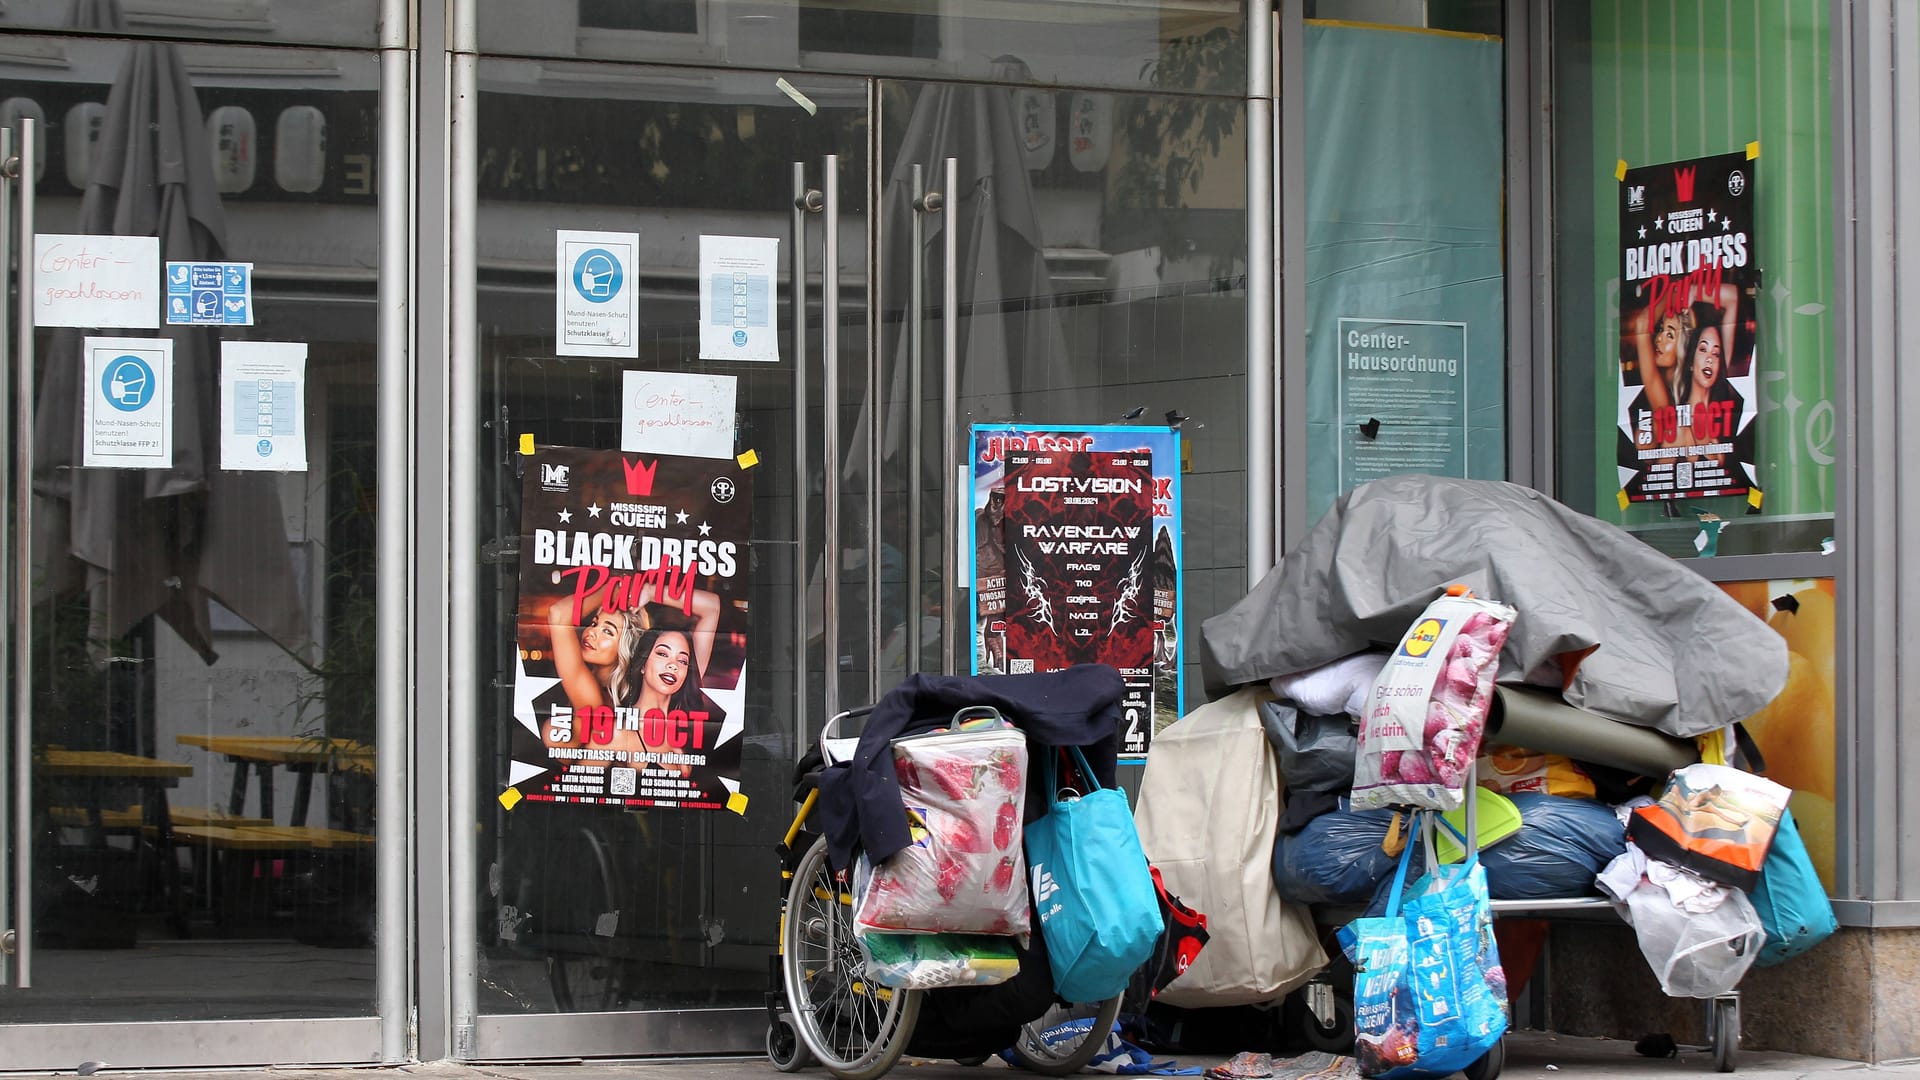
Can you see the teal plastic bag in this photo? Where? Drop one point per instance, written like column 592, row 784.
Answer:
column 1099, row 914
column 1793, row 905
column 1429, row 995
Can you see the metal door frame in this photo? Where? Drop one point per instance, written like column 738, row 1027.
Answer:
column 469, row 1033
column 384, row 1036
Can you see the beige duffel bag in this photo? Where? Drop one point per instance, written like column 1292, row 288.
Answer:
column 1209, row 811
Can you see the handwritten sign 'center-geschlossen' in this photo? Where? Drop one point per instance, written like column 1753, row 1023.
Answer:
column 101, row 282
column 672, row 412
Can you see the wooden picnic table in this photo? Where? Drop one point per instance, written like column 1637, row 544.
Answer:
column 301, row 755
column 95, row 770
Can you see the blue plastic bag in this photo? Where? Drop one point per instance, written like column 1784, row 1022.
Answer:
column 1099, row 913
column 1563, row 843
column 1792, row 903
column 1429, row 995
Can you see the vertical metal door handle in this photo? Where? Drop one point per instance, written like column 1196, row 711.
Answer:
column 950, row 419
column 9, row 168
column 830, row 425
column 797, row 289
column 23, row 571
column 924, row 202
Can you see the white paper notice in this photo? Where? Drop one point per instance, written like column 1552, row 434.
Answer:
column 102, row 282
column 596, row 299
column 263, row 406
column 127, row 405
column 671, row 412
column 738, row 312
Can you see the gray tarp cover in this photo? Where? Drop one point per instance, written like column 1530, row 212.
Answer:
column 1673, row 651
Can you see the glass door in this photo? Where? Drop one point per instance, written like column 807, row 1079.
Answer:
column 190, row 758
column 672, row 308
column 625, row 883
column 1060, row 258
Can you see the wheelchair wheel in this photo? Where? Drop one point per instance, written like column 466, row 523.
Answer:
column 1069, row 1052
column 856, row 1029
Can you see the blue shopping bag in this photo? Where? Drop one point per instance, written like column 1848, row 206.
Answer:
column 1429, row 995
column 1793, row 905
column 1099, row 913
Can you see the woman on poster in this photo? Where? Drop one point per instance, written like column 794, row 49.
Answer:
column 619, row 660
column 1700, row 380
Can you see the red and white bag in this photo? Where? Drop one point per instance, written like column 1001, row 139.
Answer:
column 1428, row 709
column 965, row 793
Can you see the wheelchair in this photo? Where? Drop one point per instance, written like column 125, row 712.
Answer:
column 821, row 1006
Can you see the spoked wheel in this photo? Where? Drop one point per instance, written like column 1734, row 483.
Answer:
column 1063, row 1041
column 856, row 1028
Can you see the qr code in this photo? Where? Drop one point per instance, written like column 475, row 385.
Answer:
column 620, row 781
column 1017, row 666
column 1683, row 474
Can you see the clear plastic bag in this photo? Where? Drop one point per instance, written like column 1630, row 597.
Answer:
column 965, row 794
column 1695, row 954
column 938, row 961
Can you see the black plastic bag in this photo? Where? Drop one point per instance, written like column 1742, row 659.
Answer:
column 1316, row 752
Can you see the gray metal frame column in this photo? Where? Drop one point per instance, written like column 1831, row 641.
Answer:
column 1263, row 388
column 431, row 493
column 1529, row 245
column 462, row 425
column 1876, row 147
column 395, row 626
column 1290, row 196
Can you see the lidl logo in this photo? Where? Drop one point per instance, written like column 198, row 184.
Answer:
column 1420, row 642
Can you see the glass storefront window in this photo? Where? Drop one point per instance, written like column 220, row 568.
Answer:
column 1118, row 44
column 1406, row 306
column 1688, row 83
column 202, row 627
column 257, row 22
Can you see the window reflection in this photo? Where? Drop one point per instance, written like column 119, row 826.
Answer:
column 264, row 22
column 1122, row 44
column 203, row 637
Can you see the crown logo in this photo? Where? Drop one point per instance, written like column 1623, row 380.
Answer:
column 639, row 476
column 1683, row 184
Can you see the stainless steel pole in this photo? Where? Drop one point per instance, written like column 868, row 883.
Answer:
column 8, row 616
column 950, row 419
column 23, row 572
column 830, row 427
column 924, row 202
column 797, row 289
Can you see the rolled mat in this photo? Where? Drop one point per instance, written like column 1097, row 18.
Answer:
column 1540, row 721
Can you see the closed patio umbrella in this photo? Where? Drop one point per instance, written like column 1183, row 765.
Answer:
column 158, row 541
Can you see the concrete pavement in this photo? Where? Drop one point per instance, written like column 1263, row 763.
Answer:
column 1531, row 1055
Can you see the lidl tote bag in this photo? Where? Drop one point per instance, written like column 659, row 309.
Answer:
column 1099, row 914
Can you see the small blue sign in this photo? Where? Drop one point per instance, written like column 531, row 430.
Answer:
column 740, row 338
column 209, row 294
column 128, row 383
